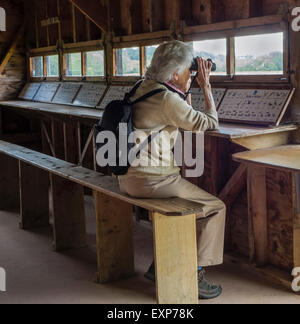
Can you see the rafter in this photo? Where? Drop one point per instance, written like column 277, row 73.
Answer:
column 96, row 11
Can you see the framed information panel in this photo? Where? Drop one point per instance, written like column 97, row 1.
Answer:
column 198, row 98
column 255, row 106
column 29, row 91
column 90, row 94
column 46, row 92
column 114, row 93
column 66, row 93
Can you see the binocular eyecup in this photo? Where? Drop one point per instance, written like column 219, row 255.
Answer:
column 194, row 67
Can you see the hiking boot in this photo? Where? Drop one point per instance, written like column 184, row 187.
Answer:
column 205, row 289
column 150, row 274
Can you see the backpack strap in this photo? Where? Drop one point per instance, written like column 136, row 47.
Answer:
column 132, row 92
column 144, row 97
column 148, row 95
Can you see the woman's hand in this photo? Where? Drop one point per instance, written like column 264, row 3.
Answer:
column 204, row 70
column 188, row 85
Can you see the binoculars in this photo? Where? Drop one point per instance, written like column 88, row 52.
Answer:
column 194, row 67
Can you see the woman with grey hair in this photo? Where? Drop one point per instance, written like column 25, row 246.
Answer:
column 168, row 112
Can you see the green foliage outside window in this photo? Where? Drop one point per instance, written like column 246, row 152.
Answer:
column 95, row 63
column 128, row 61
column 52, row 66
column 37, row 66
column 73, row 64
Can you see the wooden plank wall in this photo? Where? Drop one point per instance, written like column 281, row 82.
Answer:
column 12, row 79
column 128, row 17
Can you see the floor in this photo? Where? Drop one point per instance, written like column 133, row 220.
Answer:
column 36, row 274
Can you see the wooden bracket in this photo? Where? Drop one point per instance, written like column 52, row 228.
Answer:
column 11, row 50
column 44, row 129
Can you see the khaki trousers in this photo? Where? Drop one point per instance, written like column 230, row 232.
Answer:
column 210, row 224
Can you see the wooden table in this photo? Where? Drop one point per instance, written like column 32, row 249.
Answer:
column 55, row 109
column 67, row 131
column 274, row 206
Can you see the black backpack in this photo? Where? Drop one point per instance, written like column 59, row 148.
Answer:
column 120, row 111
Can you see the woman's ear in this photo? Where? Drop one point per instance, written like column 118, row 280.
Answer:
column 175, row 76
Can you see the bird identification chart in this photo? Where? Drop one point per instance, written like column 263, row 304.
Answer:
column 29, row 91
column 66, row 93
column 46, row 91
column 198, row 98
column 90, row 94
column 114, row 93
column 254, row 106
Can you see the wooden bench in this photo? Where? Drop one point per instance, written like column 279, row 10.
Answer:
column 274, row 208
column 24, row 178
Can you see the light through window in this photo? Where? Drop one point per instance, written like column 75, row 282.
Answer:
column 127, row 61
column 37, row 66
column 73, row 64
column 52, row 66
column 214, row 49
column 94, row 63
column 149, row 52
column 259, row 54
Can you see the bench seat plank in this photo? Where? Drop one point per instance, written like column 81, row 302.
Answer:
column 98, row 182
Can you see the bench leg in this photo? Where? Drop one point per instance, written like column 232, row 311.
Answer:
column 175, row 247
column 9, row 183
column 67, row 206
column 114, row 238
column 34, row 197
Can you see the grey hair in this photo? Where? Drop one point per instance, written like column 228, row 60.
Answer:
column 169, row 57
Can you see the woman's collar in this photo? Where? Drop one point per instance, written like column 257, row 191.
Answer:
column 171, row 85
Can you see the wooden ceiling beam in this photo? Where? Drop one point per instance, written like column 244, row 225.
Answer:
column 96, row 11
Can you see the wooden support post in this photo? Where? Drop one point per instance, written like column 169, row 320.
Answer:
column 258, row 218
column 296, row 220
column 9, row 183
column 175, row 247
column 67, row 206
column 57, row 138
column 34, row 197
column 114, row 238
column 70, row 143
column 234, row 186
column 47, row 143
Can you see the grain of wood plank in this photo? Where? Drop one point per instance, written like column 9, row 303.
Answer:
column 175, row 259
column 114, row 225
column 67, row 206
column 34, row 197
column 98, row 182
column 257, row 205
column 296, row 220
column 286, row 157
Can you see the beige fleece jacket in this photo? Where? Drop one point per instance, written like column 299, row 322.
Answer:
column 166, row 112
